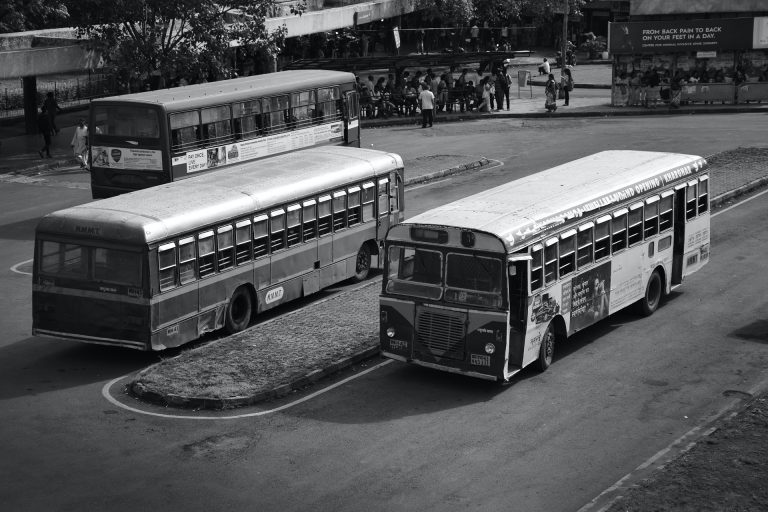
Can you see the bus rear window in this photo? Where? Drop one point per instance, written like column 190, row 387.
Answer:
column 98, row 264
column 125, row 121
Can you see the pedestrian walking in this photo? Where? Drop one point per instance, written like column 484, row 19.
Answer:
column 501, row 88
column 51, row 108
column 44, row 126
column 420, row 41
column 80, row 143
column 550, row 90
column 566, row 84
column 427, row 106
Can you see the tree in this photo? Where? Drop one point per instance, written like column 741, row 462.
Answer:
column 21, row 15
column 176, row 38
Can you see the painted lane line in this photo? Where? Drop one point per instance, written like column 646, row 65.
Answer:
column 15, row 268
column 105, row 391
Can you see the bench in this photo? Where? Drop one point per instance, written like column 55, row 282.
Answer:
column 522, row 53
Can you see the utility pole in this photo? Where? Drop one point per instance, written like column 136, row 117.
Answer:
column 564, row 48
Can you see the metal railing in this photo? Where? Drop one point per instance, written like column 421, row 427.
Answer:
column 69, row 91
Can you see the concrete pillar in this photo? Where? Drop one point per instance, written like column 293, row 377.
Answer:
column 30, row 103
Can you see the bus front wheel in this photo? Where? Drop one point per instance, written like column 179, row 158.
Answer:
column 239, row 311
column 650, row 302
column 362, row 263
column 547, row 349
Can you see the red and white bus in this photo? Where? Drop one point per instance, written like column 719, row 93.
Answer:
column 487, row 285
column 159, row 267
column 149, row 138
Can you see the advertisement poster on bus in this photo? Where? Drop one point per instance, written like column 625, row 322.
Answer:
column 204, row 159
column 127, row 158
column 590, row 296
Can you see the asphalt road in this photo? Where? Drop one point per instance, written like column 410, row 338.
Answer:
column 400, row 437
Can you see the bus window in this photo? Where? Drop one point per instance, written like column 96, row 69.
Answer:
column 584, row 249
column 394, row 202
column 225, row 246
column 277, row 230
column 665, row 211
column 550, row 260
column 354, row 206
column 309, row 215
column 369, row 192
column 619, row 229
column 537, row 267
column 217, row 125
column 185, row 131
column 275, row 112
column 260, row 236
column 327, row 104
column 116, row 266
column 339, row 210
column 126, row 121
column 567, row 252
column 324, row 224
column 63, row 260
column 303, row 108
column 416, row 272
column 166, row 256
column 243, row 249
column 248, row 122
column 383, row 198
column 293, row 221
column 635, row 221
column 603, row 237
column 703, row 194
column 480, row 275
column 187, row 261
column 691, row 199
column 651, row 216
column 206, row 254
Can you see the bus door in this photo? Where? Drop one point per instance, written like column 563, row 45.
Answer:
column 385, row 206
column 352, row 118
column 678, row 244
column 517, row 279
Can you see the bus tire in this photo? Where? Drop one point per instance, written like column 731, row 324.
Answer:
column 362, row 263
column 547, row 349
column 239, row 310
column 650, row 302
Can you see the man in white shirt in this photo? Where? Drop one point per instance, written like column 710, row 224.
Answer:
column 427, row 105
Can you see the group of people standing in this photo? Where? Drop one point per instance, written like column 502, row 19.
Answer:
column 554, row 90
column 46, row 125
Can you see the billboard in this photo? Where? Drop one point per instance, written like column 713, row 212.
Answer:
column 687, row 35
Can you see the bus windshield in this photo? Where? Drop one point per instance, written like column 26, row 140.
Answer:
column 125, row 121
column 82, row 262
column 468, row 279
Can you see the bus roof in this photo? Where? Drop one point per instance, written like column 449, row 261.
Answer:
column 183, row 206
column 523, row 210
column 226, row 91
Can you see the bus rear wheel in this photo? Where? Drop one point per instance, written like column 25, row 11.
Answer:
column 362, row 263
column 547, row 349
column 239, row 311
column 650, row 302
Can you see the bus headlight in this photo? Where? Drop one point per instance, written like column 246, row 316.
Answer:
column 391, row 332
column 490, row 348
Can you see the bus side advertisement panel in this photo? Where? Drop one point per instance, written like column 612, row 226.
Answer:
column 210, row 158
column 590, row 297
column 127, row 158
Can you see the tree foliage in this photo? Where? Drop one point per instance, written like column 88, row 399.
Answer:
column 22, row 15
column 497, row 12
column 176, row 38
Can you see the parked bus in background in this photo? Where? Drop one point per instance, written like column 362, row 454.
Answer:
column 149, row 138
column 489, row 284
column 159, row 267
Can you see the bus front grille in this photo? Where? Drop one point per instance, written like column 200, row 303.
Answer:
column 442, row 333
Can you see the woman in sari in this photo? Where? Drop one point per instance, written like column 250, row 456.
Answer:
column 550, row 89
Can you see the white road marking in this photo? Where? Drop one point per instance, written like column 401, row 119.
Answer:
column 15, row 268
column 105, row 391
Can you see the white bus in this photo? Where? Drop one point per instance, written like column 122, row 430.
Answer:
column 487, row 285
column 159, row 267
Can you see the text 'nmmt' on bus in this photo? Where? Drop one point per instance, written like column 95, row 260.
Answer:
column 149, row 138
column 159, row 267
column 487, row 285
